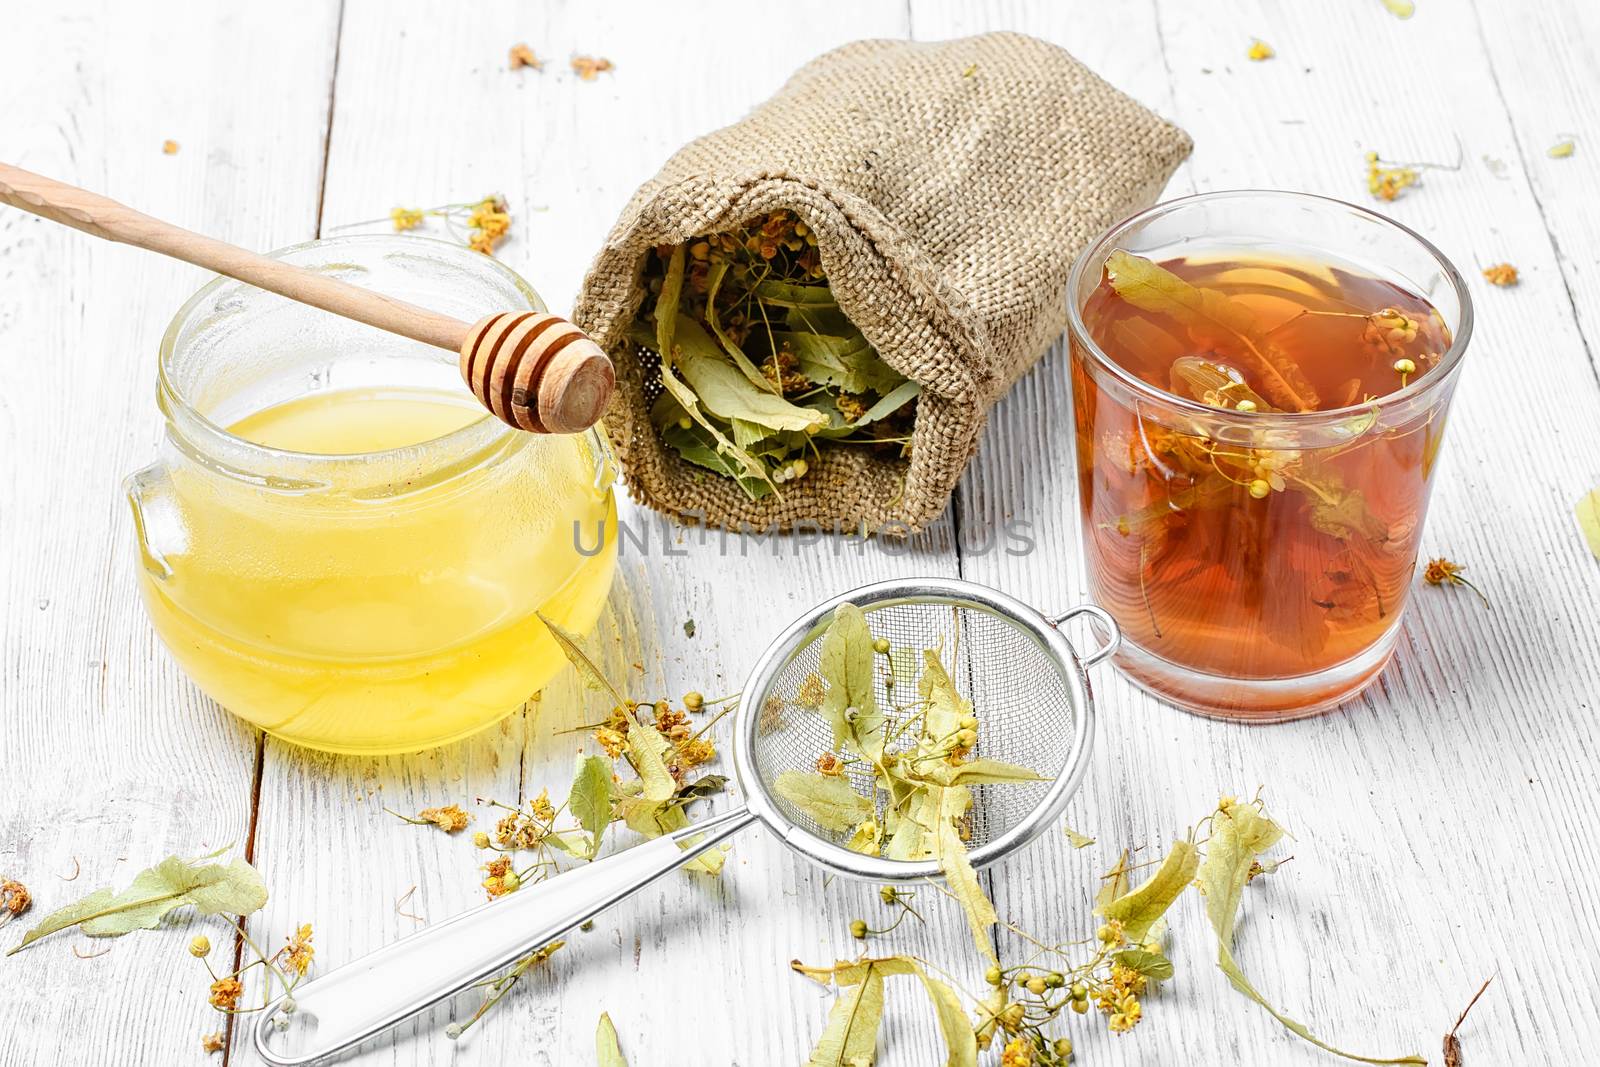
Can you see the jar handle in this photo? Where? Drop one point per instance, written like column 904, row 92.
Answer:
column 156, row 520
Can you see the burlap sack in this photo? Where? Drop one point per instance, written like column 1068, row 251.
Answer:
column 950, row 185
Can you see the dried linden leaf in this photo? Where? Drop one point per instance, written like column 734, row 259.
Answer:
column 982, row 771
column 233, row 888
column 1114, row 884
column 867, row 839
column 1077, row 840
column 1152, row 965
column 606, row 1050
column 851, row 1036
column 832, row 803
column 1238, row 835
column 963, row 882
column 960, row 1042
column 1588, row 510
column 1139, row 910
column 846, row 666
column 590, row 798
column 592, row 675
column 647, row 751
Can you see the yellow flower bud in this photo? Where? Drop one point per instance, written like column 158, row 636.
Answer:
column 200, row 946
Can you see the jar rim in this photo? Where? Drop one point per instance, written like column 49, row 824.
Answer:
column 1425, row 384
column 222, row 448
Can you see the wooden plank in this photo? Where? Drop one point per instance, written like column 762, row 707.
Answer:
column 110, row 759
column 1429, row 787
column 429, row 116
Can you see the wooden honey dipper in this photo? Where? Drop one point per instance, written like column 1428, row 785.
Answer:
column 536, row 372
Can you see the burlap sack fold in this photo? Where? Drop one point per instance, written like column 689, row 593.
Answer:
column 949, row 185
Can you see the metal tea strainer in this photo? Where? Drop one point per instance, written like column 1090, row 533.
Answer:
column 1028, row 688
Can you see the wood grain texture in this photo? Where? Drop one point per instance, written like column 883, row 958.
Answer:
column 1446, row 821
column 111, row 760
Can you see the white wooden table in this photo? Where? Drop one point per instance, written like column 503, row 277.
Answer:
column 1446, row 821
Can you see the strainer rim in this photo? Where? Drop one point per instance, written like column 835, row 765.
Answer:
column 961, row 593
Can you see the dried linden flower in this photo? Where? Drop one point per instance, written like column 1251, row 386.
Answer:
column 405, row 218
column 450, row 818
column 1501, row 274
column 1260, row 50
column 211, row 1042
column 200, row 946
column 591, row 67
column 225, row 993
column 522, row 56
column 298, row 952
column 14, row 897
column 1443, row 572
column 1387, row 183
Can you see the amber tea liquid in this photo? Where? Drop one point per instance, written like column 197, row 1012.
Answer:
column 1226, row 542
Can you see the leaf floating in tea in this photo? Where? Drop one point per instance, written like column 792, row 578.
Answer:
column 233, row 888
column 1211, row 315
column 1588, row 512
column 1239, row 833
column 1216, row 385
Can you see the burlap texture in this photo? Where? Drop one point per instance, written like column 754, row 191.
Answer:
column 950, row 185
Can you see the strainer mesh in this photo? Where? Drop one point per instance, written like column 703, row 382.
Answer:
column 1019, row 693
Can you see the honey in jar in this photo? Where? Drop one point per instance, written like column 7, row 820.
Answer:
column 338, row 544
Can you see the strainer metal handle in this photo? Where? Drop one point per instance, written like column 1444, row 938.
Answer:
column 352, row 1003
column 1113, row 632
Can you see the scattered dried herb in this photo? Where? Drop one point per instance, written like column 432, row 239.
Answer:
column 1124, row 958
column 1077, row 840
column 232, row 888
column 479, row 224
column 1259, row 50
column 14, row 899
column 522, row 56
column 1588, row 511
column 169, row 148
column 1240, row 832
column 1452, row 1044
column 1501, row 274
column 1562, row 149
column 496, row 988
column 607, row 1052
column 212, row 1042
column 451, row 819
column 591, row 67
column 1400, row 9
column 759, row 367
column 1443, row 572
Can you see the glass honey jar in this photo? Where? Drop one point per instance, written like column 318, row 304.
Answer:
column 336, row 543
